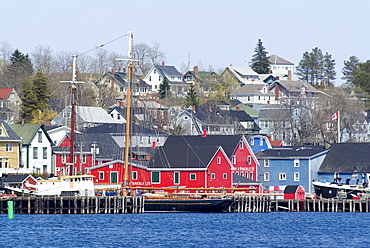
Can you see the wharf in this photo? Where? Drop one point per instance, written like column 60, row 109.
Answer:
column 74, row 205
column 135, row 204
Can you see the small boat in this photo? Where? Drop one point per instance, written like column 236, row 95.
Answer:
column 337, row 189
column 79, row 185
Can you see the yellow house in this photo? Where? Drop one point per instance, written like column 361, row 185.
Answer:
column 10, row 144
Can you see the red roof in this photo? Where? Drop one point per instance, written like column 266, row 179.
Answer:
column 5, row 92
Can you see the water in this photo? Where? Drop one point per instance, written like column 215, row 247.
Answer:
column 277, row 229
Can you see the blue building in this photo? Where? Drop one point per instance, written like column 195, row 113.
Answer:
column 290, row 165
column 259, row 143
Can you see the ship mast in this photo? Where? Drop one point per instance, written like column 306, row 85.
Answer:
column 128, row 111
column 73, row 86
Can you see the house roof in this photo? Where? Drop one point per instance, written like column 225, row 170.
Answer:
column 295, row 86
column 28, row 131
column 237, row 179
column 114, row 128
column 347, row 158
column 251, row 89
column 240, row 72
column 243, row 107
column 168, row 70
column 284, row 152
column 291, row 189
column 274, row 59
column 192, row 151
column 5, row 92
column 17, row 178
column 94, row 115
column 12, row 135
column 273, row 112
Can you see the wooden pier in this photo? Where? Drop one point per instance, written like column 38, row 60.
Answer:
column 265, row 203
column 135, row 204
column 75, row 205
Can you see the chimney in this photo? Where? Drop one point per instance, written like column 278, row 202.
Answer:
column 289, row 75
column 193, row 108
column 276, row 91
column 237, row 108
column 277, row 78
column 124, row 70
column 154, row 145
column 162, row 63
column 196, row 70
column 112, row 72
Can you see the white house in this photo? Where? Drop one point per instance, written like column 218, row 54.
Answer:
column 175, row 79
column 254, row 94
column 36, row 147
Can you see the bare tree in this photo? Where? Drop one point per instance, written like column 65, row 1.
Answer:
column 116, row 62
column 155, row 55
column 43, row 59
column 5, row 50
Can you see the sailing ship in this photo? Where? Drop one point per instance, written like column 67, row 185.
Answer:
column 164, row 202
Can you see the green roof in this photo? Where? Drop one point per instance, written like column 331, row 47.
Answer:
column 27, row 131
column 252, row 112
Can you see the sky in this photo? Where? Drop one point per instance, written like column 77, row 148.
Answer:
column 213, row 33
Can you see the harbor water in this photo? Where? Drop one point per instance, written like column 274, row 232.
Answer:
column 275, row 229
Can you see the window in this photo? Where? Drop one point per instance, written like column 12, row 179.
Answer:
column 155, row 177
column 35, row 153
column 114, row 177
column 282, row 176
column 8, row 147
column 252, row 142
column 193, row 176
column 149, row 140
column 213, row 176
column 218, row 160
column 233, row 159
column 261, row 142
column 101, row 175
column 44, row 168
column 44, row 152
column 39, row 133
column 134, row 175
column 240, row 145
column 296, row 176
column 84, row 158
column 118, row 117
column 242, row 174
column 266, row 163
column 296, row 162
column 266, row 176
column 224, row 176
column 177, row 177
column 1, row 131
column 249, row 160
column 251, row 175
column 266, row 124
column 64, row 158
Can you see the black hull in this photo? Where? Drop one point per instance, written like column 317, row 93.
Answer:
column 187, row 205
column 335, row 191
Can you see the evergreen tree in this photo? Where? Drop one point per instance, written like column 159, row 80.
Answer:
column 260, row 62
column 20, row 66
column 362, row 76
column 164, row 87
column 36, row 96
column 29, row 101
column 191, row 98
column 311, row 66
column 329, row 69
column 349, row 67
column 41, row 87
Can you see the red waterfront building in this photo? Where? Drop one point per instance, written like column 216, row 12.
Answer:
column 187, row 161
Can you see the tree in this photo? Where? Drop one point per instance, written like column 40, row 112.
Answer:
column 329, row 70
column 36, row 96
column 29, row 100
column 311, row 67
column 362, row 76
column 260, row 62
column 43, row 59
column 164, row 87
column 191, row 97
column 349, row 67
column 148, row 56
column 20, row 67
